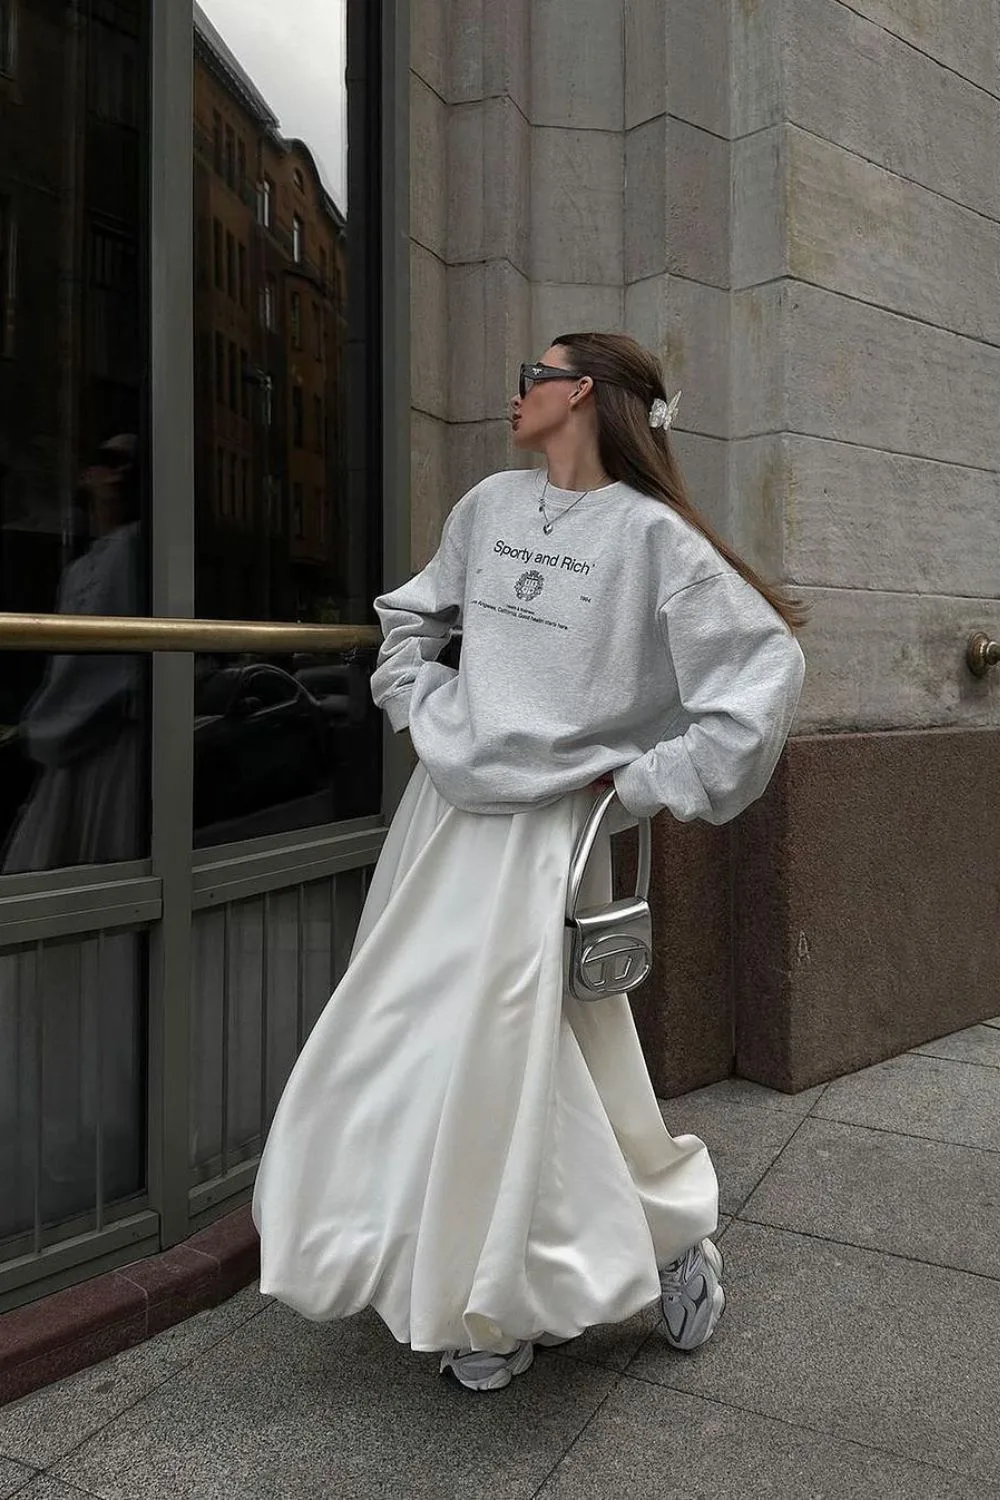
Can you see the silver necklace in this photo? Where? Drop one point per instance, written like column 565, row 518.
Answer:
column 547, row 524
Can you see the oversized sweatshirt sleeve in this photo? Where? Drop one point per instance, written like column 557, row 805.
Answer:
column 417, row 620
column 739, row 673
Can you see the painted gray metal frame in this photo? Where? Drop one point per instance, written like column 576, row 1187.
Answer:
column 396, row 394
column 162, row 893
column 172, row 594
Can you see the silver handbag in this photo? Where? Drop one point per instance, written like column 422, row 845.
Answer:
column 611, row 947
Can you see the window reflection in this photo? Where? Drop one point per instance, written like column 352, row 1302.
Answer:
column 73, row 353
column 288, row 742
column 281, row 744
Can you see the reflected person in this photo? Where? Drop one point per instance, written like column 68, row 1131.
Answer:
column 82, row 726
column 81, row 1064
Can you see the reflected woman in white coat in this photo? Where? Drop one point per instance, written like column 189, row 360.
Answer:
column 464, row 1146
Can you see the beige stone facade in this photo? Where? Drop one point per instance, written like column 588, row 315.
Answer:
column 795, row 202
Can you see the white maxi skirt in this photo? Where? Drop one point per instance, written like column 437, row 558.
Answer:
column 462, row 1145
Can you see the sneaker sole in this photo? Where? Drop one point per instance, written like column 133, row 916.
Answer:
column 522, row 1360
column 716, row 1260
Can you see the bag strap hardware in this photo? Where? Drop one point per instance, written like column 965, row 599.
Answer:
column 585, row 843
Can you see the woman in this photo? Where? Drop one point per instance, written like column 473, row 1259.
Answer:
column 82, row 726
column 462, row 1145
column 82, row 730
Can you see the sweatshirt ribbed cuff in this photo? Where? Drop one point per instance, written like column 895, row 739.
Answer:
column 664, row 778
column 634, row 790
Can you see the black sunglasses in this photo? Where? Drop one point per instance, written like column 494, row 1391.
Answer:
column 530, row 375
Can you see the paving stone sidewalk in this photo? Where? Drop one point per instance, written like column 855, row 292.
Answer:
column 860, row 1355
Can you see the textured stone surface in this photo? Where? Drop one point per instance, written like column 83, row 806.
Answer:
column 755, row 43
column 858, row 229
column 861, row 375
column 676, row 202
column 962, row 34
column 760, row 502
column 12, row 1477
column 489, row 50
column 428, row 332
column 757, row 360
column 759, row 228
column 631, row 1449
column 684, row 1010
column 50, row 1422
column 572, row 309
column 919, row 1382
column 348, row 1411
column 848, row 948
column 704, row 464
column 893, row 661
column 429, row 43
column 755, row 1096
column 683, row 1013
column 677, row 61
column 851, row 82
column 495, row 300
column 698, row 63
column 687, row 325
column 430, row 185
column 577, row 64
column 576, row 206
column 645, row 61
column 44, row 1487
column 430, row 500
column 742, row 1140
column 860, row 518
column 979, row 1045
column 73, row 1314
column 919, row 1096
column 612, row 1344
column 915, row 1198
column 489, row 182
column 476, row 449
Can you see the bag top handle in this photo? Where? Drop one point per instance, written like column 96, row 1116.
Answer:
column 585, row 843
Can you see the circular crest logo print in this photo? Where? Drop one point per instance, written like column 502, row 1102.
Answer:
column 529, row 586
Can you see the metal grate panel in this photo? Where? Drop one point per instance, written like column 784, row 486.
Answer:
column 262, row 971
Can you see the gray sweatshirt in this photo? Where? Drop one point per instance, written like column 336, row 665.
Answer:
column 621, row 642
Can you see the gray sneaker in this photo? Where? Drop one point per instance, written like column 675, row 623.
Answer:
column 692, row 1296
column 481, row 1371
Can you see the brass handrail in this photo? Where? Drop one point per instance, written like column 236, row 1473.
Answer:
column 86, row 633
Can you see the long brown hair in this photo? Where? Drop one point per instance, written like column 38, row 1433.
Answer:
column 627, row 380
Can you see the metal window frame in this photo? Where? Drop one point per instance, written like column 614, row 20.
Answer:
column 161, row 894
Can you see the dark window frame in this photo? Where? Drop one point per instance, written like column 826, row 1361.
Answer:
column 8, row 274
column 298, row 417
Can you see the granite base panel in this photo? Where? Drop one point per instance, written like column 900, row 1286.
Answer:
column 683, row 1013
column 866, row 902
column 69, row 1330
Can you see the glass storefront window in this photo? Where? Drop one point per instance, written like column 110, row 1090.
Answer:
column 74, row 148
column 282, row 743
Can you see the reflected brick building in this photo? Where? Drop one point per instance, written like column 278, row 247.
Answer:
column 72, row 269
column 270, row 274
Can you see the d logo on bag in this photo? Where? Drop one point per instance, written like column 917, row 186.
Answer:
column 614, row 964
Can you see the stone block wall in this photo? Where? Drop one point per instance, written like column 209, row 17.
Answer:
column 796, row 203
column 866, row 372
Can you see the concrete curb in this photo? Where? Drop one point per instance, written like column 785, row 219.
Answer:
column 70, row 1330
